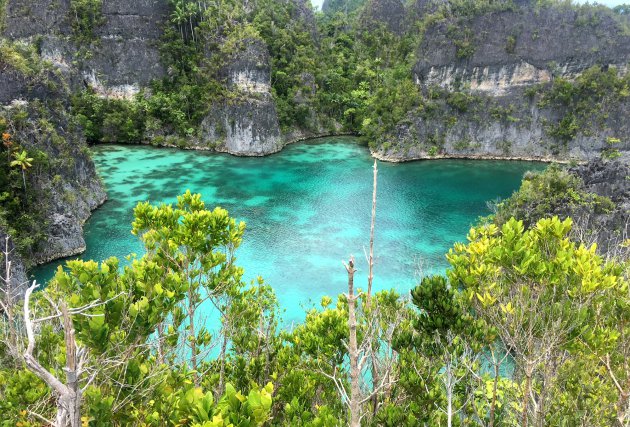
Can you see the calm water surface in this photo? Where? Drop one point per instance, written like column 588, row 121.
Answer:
column 307, row 209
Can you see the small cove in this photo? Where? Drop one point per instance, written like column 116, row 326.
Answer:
column 307, row 208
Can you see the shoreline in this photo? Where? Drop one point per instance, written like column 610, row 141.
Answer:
column 392, row 159
column 374, row 154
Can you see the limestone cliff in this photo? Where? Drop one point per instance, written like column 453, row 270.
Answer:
column 123, row 54
column 512, row 127
column 511, row 49
column 508, row 62
column 391, row 13
column 246, row 123
column 496, row 54
column 609, row 229
column 63, row 187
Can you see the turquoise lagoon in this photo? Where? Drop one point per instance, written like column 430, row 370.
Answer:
column 307, row 208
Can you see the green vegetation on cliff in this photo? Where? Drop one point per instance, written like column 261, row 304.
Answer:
column 35, row 124
column 586, row 101
column 544, row 193
column 327, row 73
column 86, row 17
column 338, row 72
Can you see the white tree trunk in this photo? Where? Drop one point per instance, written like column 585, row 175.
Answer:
column 353, row 350
column 68, row 395
column 371, row 258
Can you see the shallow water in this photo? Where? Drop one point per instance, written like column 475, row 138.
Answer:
column 307, row 209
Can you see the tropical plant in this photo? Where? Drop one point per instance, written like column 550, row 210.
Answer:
column 23, row 162
column 536, row 288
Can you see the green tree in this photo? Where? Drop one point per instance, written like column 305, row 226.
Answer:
column 535, row 287
column 199, row 245
column 23, row 162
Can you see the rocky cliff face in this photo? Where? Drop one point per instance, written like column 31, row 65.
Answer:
column 506, row 61
column 610, row 179
column 245, row 124
column 507, row 50
column 509, row 127
column 495, row 55
column 595, row 195
column 391, row 13
column 122, row 57
column 33, row 104
column 302, row 11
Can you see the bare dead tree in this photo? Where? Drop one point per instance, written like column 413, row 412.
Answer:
column 455, row 370
column 362, row 389
column 623, row 391
column 69, row 395
column 68, row 391
column 372, row 225
column 353, row 350
column 8, row 297
column 370, row 260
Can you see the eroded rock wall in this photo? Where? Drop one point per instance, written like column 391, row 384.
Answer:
column 497, row 57
column 507, row 127
column 64, row 179
column 512, row 49
column 124, row 55
column 246, row 122
column 390, row 13
column 609, row 229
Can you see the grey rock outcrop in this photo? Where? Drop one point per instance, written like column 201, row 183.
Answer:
column 607, row 178
column 595, row 195
column 302, row 13
column 391, row 13
column 245, row 124
column 608, row 229
column 124, row 55
column 66, row 184
column 496, row 57
column 26, row 19
column 507, row 127
column 518, row 48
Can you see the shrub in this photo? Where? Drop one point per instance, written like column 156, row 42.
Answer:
column 552, row 191
column 86, row 16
